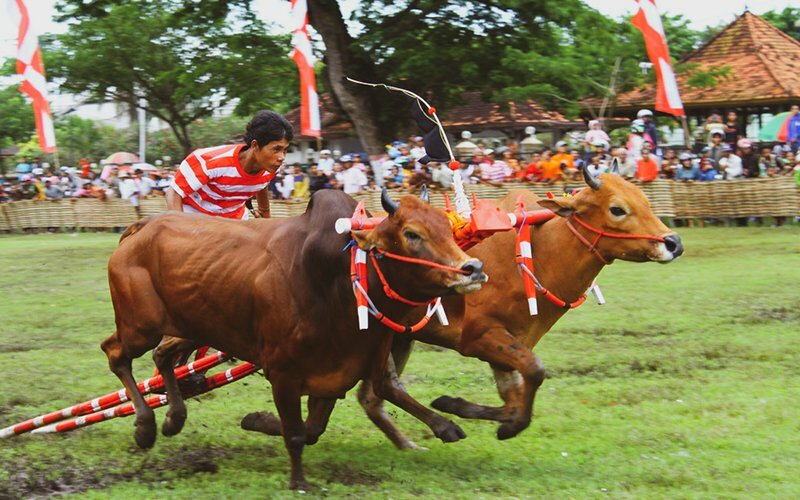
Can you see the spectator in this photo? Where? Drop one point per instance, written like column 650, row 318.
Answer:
column 650, row 131
column 301, row 184
column 533, row 171
column 441, row 175
column 563, row 159
column 417, row 152
column 687, row 171
column 600, row 149
column 749, row 159
column 768, row 162
column 730, row 165
column 494, row 170
column 626, row 167
column 716, row 140
column 707, row 170
column 595, row 133
column 596, row 166
column 52, row 191
column 317, row 179
column 354, row 178
column 646, row 167
column 636, row 140
column 510, row 158
column 733, row 131
column 793, row 128
column 326, row 162
column 551, row 170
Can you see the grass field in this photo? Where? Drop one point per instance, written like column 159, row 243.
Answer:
column 687, row 384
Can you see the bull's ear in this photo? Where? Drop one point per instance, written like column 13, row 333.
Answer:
column 364, row 239
column 563, row 206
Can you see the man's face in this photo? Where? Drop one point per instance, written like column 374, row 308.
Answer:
column 271, row 156
column 716, row 138
column 795, row 109
column 732, row 116
column 645, row 154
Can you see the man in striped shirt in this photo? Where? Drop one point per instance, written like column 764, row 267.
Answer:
column 218, row 181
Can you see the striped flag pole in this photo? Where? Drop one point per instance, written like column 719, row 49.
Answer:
column 112, row 399
column 29, row 65
column 303, row 56
column 157, row 401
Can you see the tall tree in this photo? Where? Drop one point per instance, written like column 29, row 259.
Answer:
column 184, row 58
column 787, row 20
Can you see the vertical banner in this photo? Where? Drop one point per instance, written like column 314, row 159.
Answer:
column 29, row 65
column 304, row 58
column 648, row 21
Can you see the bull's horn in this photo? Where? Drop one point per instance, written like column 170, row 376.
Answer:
column 591, row 180
column 424, row 195
column 388, row 203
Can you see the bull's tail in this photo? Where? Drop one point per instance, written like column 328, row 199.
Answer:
column 134, row 228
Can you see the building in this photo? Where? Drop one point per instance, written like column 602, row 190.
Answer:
column 758, row 67
column 484, row 118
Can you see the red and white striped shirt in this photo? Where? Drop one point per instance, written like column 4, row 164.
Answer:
column 211, row 181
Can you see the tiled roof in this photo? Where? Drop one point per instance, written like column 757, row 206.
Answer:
column 764, row 68
column 475, row 114
column 478, row 113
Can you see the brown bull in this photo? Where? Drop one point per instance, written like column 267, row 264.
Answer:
column 496, row 326
column 276, row 293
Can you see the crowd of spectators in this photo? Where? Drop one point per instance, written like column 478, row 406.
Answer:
column 42, row 182
column 727, row 155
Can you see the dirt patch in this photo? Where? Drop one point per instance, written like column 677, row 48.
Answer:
column 348, row 475
column 8, row 348
column 758, row 315
column 67, row 475
column 646, row 332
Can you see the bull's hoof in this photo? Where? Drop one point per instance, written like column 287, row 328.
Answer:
column 510, row 430
column 262, row 421
column 145, row 433
column 447, row 404
column 173, row 423
column 450, row 433
column 299, row 485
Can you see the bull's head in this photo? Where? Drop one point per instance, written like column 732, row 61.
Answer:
column 416, row 229
column 615, row 205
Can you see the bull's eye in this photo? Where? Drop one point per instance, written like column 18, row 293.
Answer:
column 412, row 237
column 617, row 211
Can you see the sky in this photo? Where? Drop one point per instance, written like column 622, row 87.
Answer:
column 701, row 13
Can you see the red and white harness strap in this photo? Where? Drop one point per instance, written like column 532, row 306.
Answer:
column 364, row 304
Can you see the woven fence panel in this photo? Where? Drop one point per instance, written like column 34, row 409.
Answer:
column 5, row 225
column 113, row 212
column 740, row 198
column 779, row 196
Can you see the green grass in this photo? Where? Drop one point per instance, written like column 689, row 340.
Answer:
column 686, row 384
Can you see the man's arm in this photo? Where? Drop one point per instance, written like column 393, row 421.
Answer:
column 263, row 202
column 174, row 200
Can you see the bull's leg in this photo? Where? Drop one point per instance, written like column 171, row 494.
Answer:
column 286, row 391
column 386, row 385
column 164, row 356
column 319, row 413
column 518, row 374
column 373, row 405
column 120, row 360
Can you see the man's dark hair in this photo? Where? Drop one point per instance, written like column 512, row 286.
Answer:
column 267, row 126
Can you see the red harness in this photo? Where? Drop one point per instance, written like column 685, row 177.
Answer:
column 525, row 261
column 358, row 275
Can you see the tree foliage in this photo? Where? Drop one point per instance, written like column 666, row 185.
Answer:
column 185, row 58
column 787, row 20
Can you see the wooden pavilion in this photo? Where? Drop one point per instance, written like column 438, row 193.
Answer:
column 758, row 64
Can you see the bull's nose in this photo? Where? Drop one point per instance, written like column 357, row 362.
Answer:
column 673, row 244
column 474, row 267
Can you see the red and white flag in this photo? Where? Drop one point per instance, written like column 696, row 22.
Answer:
column 29, row 65
column 304, row 58
column 648, row 20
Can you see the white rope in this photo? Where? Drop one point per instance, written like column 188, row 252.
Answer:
column 460, row 198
